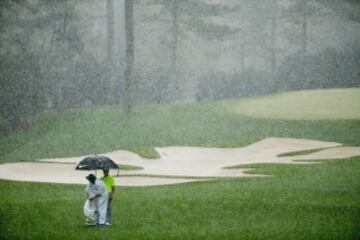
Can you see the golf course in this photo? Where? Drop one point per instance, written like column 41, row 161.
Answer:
column 273, row 199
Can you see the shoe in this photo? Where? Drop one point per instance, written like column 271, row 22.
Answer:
column 108, row 224
column 90, row 225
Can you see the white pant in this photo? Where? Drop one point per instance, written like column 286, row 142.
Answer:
column 101, row 205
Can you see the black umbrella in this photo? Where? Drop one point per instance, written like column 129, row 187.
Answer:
column 96, row 163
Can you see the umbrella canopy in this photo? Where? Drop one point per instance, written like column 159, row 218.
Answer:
column 95, row 163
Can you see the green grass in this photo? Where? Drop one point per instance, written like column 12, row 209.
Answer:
column 305, row 105
column 303, row 152
column 146, row 152
column 298, row 202
column 210, row 124
column 129, row 167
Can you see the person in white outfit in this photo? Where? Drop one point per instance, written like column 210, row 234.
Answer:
column 98, row 196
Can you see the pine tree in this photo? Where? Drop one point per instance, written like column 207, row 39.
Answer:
column 183, row 17
column 300, row 13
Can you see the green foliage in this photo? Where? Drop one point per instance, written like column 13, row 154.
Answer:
column 21, row 82
column 22, row 77
column 183, row 20
column 329, row 68
column 237, row 85
column 21, row 87
column 43, row 61
column 349, row 9
column 211, row 31
column 299, row 9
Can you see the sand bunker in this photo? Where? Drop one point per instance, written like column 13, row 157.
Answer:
column 181, row 164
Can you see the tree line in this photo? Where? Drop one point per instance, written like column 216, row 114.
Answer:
column 49, row 56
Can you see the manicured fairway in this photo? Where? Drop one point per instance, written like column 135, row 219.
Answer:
column 305, row 105
column 299, row 202
column 212, row 124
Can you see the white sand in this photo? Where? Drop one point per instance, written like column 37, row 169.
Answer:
column 180, row 163
column 65, row 173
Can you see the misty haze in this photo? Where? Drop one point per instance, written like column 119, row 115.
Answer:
column 216, row 116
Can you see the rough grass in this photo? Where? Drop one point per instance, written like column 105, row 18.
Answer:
column 304, row 105
column 297, row 153
column 299, row 202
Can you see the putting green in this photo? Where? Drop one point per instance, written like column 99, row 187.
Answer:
column 304, row 105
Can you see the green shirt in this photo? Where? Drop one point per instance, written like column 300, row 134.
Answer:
column 109, row 182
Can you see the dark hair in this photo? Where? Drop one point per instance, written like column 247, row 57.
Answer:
column 91, row 177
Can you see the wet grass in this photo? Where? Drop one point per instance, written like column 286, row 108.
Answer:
column 77, row 132
column 129, row 167
column 298, row 202
column 309, row 104
column 303, row 152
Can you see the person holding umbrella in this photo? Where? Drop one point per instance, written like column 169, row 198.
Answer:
column 109, row 182
column 97, row 194
column 97, row 162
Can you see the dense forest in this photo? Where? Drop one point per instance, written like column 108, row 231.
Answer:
column 69, row 54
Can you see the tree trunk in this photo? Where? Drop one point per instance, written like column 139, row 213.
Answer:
column 274, row 26
column 242, row 55
column 130, row 56
column 304, row 33
column 174, row 32
column 304, row 40
column 173, row 84
column 110, row 30
column 59, row 45
column 110, row 83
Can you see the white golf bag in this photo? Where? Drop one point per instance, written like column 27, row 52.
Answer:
column 90, row 212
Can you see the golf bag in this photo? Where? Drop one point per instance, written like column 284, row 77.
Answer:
column 90, row 212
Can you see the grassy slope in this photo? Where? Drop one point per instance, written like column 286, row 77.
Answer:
column 312, row 105
column 97, row 130
column 299, row 202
